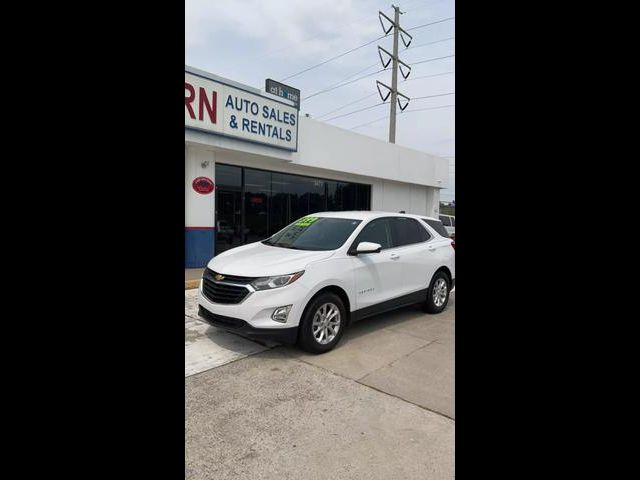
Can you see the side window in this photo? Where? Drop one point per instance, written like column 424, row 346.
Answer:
column 405, row 231
column 376, row 231
column 445, row 220
column 437, row 226
column 453, row 221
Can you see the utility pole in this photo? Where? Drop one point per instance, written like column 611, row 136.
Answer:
column 392, row 91
column 394, row 76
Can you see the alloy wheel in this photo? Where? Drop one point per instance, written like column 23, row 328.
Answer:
column 326, row 323
column 439, row 292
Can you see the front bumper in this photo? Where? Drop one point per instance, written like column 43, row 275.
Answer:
column 281, row 335
column 257, row 307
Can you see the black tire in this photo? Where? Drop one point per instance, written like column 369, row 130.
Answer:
column 431, row 305
column 306, row 338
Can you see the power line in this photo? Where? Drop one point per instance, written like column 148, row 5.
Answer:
column 433, row 96
column 430, row 43
column 405, row 112
column 347, row 78
column 429, row 76
column 332, row 58
column 358, row 72
column 382, row 103
column 428, row 108
column 429, row 24
column 369, row 123
column 339, row 85
column 359, row 20
column 431, row 60
column 358, row 48
column 342, row 82
column 346, row 105
column 355, row 111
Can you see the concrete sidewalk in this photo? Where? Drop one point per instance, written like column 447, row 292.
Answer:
column 271, row 416
column 207, row 347
column 407, row 353
column 379, row 406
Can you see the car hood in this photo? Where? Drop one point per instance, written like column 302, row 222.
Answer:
column 260, row 260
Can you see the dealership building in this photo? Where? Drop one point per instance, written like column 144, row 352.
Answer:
column 253, row 165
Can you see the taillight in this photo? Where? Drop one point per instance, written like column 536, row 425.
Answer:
column 453, row 243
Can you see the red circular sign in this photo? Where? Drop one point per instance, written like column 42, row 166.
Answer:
column 203, row 185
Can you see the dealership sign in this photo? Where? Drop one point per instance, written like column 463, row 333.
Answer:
column 282, row 90
column 218, row 108
column 203, row 185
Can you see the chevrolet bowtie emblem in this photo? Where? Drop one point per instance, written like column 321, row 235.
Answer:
column 219, row 277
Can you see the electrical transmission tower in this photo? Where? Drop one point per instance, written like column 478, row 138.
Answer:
column 392, row 91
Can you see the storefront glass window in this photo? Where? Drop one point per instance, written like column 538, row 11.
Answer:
column 228, row 207
column 363, row 201
column 280, row 211
column 265, row 202
column 257, row 193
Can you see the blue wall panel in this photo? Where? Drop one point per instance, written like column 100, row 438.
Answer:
column 198, row 246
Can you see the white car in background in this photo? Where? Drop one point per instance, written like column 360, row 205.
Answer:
column 449, row 222
column 308, row 282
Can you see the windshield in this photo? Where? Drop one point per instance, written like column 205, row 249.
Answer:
column 314, row 233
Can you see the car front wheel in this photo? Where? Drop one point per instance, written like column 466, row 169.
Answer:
column 322, row 324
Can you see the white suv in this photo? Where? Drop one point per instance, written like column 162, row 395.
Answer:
column 307, row 282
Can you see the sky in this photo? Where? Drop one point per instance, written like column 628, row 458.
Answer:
column 251, row 40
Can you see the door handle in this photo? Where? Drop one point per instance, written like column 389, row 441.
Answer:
column 394, row 256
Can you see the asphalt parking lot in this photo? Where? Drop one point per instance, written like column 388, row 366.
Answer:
column 379, row 406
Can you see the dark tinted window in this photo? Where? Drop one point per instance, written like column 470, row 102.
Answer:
column 340, row 196
column 314, row 233
column 363, row 197
column 257, row 187
column 376, row 231
column 254, row 204
column 445, row 221
column 228, row 207
column 453, row 221
column 437, row 226
column 228, row 176
column 405, row 231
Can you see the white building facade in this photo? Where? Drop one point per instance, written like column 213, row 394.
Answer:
column 253, row 165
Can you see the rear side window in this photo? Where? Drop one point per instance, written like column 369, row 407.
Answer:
column 405, row 231
column 376, row 231
column 446, row 221
column 437, row 226
column 453, row 221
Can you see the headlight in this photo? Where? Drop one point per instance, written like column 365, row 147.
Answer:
column 267, row 283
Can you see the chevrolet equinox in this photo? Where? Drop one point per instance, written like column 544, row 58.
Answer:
column 309, row 281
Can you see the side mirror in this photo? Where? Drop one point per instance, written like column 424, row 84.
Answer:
column 368, row 247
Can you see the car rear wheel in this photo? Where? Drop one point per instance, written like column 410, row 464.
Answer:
column 322, row 324
column 438, row 293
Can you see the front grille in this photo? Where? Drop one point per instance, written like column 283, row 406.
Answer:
column 233, row 278
column 220, row 291
column 221, row 320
